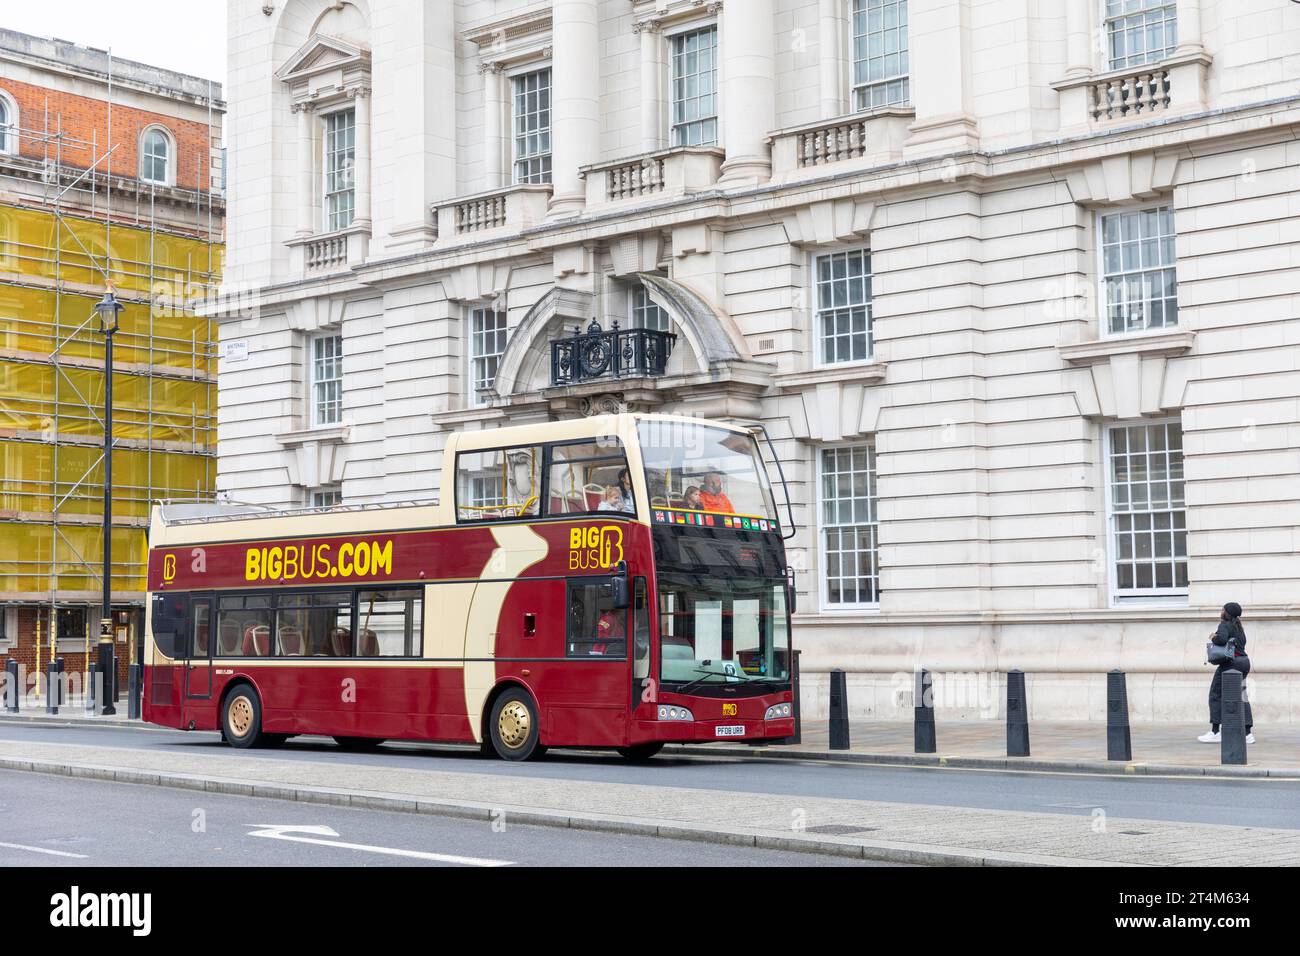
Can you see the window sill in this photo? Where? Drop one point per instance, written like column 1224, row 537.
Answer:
column 1148, row 601
column 868, row 373
column 330, row 434
column 1168, row 344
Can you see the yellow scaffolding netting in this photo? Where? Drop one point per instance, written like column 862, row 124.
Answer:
column 53, row 268
column 38, row 557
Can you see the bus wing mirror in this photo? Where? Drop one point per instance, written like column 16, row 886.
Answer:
column 791, row 592
column 620, row 593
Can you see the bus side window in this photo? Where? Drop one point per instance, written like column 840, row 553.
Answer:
column 202, row 617
column 170, row 624
column 391, row 623
column 595, row 627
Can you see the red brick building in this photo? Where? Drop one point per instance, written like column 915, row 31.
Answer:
column 110, row 177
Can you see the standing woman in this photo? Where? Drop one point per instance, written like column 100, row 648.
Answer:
column 1229, row 631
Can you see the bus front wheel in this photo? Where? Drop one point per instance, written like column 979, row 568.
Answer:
column 514, row 727
column 640, row 753
column 241, row 717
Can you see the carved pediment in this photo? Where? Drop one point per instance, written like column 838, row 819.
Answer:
column 321, row 55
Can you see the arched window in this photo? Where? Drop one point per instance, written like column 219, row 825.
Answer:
column 8, row 124
column 156, row 157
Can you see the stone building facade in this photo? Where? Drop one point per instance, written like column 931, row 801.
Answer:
column 1014, row 285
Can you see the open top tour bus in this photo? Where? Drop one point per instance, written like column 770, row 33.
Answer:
column 615, row 581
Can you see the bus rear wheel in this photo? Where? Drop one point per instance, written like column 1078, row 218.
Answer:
column 241, row 717
column 358, row 743
column 513, row 726
column 640, row 753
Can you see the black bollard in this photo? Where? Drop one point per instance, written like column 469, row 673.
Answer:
column 52, row 687
column 106, row 693
column 1119, row 744
column 12, row 690
column 1232, row 732
column 1017, row 715
column 923, row 738
column 839, row 711
column 88, row 693
column 134, row 682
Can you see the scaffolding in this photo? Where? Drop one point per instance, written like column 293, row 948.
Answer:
column 70, row 227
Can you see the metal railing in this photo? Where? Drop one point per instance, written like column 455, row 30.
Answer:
column 610, row 354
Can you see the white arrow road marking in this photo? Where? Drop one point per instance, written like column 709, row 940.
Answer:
column 41, row 849
column 275, row 832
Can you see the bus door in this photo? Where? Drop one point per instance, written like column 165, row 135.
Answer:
column 198, row 654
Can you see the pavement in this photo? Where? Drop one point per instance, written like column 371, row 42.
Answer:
column 866, row 829
column 1059, row 746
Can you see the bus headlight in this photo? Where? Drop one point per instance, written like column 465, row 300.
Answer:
column 673, row 712
column 777, row 711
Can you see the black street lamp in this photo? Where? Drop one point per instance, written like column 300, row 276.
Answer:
column 108, row 309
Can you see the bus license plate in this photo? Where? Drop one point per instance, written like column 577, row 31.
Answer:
column 729, row 730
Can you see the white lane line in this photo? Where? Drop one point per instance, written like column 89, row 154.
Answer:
column 41, row 849
column 275, row 832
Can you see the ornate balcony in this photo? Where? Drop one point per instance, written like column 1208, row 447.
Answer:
column 490, row 214
column 859, row 140
column 597, row 354
column 330, row 251
column 663, row 174
column 1172, row 86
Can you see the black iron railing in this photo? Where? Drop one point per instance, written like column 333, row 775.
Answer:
column 615, row 353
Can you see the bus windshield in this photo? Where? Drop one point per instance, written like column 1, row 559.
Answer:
column 717, row 630
column 695, row 467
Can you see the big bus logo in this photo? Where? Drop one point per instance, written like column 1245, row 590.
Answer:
column 300, row 562
column 592, row 548
column 169, row 568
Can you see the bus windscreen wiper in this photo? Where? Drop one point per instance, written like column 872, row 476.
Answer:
column 728, row 678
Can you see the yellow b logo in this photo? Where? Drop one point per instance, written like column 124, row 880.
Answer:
column 169, row 567
column 729, row 710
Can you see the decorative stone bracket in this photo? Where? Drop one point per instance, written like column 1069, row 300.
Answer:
column 476, row 282
column 1121, row 179
column 1130, row 377
column 830, row 223
column 835, row 403
column 319, row 455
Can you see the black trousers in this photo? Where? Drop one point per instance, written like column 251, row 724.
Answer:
column 1216, row 692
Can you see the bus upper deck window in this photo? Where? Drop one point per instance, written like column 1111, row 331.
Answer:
column 497, row 484
column 589, row 477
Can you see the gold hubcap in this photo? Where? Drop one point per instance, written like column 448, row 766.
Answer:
column 514, row 725
column 241, row 716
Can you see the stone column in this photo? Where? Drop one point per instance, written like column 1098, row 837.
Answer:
column 1078, row 51
column 306, row 169
column 748, row 45
column 939, row 63
column 495, row 119
column 1189, row 28
column 652, row 84
column 361, row 160
column 830, row 38
column 415, row 83
column 575, row 105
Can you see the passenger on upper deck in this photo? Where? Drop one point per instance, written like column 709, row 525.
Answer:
column 712, row 497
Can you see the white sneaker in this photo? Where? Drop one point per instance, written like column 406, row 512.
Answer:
column 1209, row 737
column 1250, row 738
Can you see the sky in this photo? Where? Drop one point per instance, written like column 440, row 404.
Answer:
column 184, row 35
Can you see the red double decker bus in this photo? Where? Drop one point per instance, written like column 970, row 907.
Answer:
column 615, row 581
